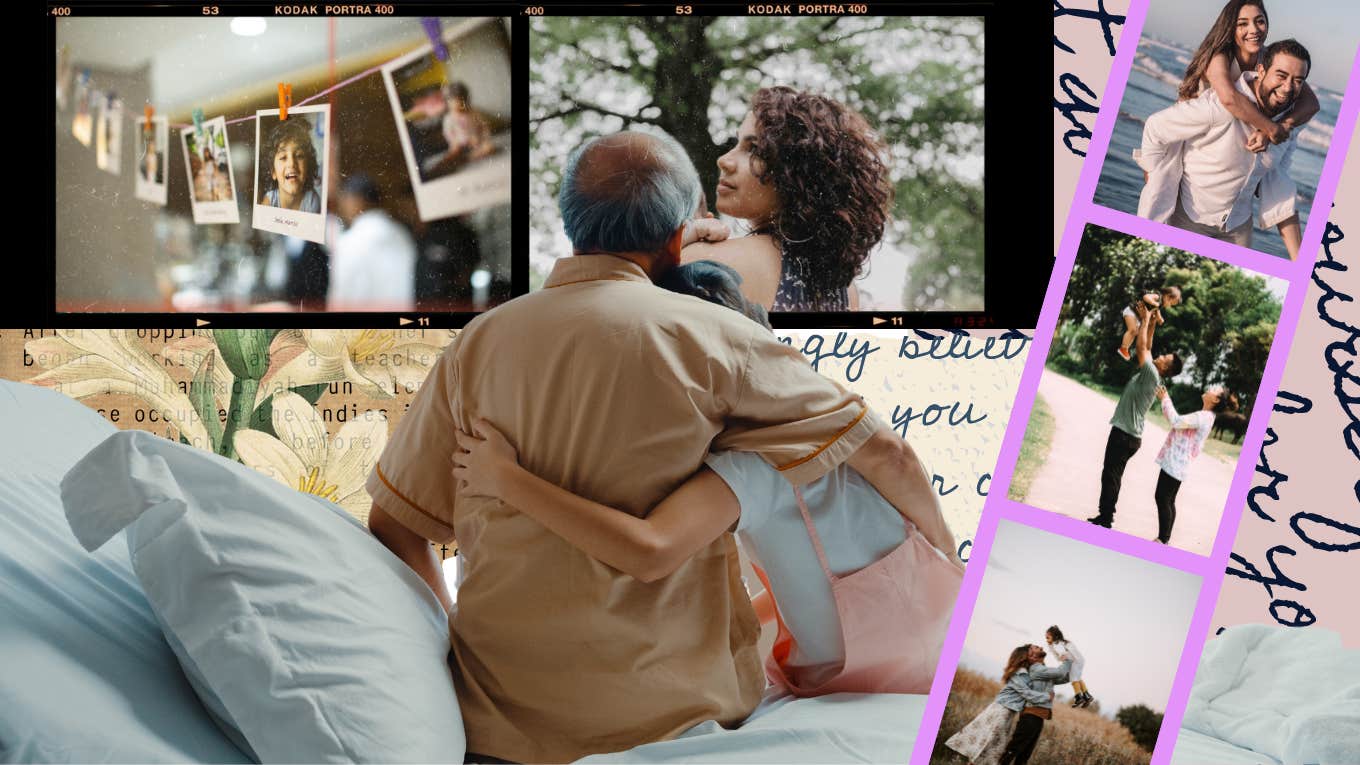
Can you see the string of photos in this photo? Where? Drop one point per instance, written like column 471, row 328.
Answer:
column 450, row 99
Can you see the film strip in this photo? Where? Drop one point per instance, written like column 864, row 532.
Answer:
column 475, row 188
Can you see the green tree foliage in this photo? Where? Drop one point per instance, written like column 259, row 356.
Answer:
column 917, row 80
column 1222, row 330
column 1142, row 722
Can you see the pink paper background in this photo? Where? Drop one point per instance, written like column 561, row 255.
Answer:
column 1329, row 485
column 1090, row 62
column 1312, row 452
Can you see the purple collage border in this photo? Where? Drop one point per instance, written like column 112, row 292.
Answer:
column 1084, row 211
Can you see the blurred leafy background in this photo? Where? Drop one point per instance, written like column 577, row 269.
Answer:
column 919, row 82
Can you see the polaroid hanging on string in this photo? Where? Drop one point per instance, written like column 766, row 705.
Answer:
column 453, row 118
column 207, row 165
column 153, row 146
column 291, row 171
column 64, row 76
column 108, row 136
column 82, row 126
column 855, row 152
column 232, row 241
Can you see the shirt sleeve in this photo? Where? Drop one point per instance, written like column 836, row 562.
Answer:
column 1179, row 421
column 1150, row 375
column 1056, row 674
column 1181, row 121
column 801, row 423
column 1278, row 190
column 413, row 479
column 1027, row 693
column 749, row 478
column 1074, row 653
column 1206, row 426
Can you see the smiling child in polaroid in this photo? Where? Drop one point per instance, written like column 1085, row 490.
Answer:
column 292, row 167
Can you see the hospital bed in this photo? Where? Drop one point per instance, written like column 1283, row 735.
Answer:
column 217, row 671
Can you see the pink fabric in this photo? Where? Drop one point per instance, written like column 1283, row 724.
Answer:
column 894, row 614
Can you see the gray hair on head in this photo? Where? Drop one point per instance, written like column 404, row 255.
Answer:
column 627, row 192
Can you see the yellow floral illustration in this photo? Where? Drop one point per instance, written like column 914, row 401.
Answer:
column 376, row 362
column 305, row 457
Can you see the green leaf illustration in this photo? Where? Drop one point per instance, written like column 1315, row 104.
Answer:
column 201, row 394
column 238, row 414
column 262, row 419
column 246, row 351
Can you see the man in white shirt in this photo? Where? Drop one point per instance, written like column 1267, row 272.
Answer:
column 373, row 263
column 1200, row 175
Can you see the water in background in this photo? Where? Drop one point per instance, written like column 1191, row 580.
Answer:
column 1157, row 70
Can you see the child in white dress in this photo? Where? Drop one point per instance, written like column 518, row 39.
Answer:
column 1155, row 300
column 1064, row 651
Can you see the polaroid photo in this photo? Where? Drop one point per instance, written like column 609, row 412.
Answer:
column 1060, row 642
column 1158, row 355
column 290, row 172
column 64, row 76
column 908, row 208
column 108, row 139
column 82, row 123
column 153, row 151
column 1227, row 119
column 453, row 118
column 207, row 162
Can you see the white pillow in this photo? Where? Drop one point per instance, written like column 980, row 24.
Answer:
column 295, row 625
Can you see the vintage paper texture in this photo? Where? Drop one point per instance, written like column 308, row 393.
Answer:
column 948, row 393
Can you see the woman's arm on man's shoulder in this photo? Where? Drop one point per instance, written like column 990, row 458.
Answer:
column 1220, row 79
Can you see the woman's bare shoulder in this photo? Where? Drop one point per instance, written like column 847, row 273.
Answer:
column 752, row 251
column 756, row 258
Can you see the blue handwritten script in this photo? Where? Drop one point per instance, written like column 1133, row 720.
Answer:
column 1314, row 526
column 1342, row 368
column 958, row 344
column 1107, row 22
column 952, row 414
column 1088, row 102
column 842, row 346
column 954, row 383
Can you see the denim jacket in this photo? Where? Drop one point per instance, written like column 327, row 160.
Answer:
column 1030, row 687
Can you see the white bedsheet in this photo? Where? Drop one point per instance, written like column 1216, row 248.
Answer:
column 1289, row 693
column 1195, row 748
column 85, row 673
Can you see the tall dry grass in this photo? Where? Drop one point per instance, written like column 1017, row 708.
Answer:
column 1072, row 737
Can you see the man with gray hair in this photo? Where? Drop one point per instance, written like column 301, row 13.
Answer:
column 616, row 390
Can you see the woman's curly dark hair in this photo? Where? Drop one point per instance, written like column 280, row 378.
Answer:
column 299, row 132
column 827, row 168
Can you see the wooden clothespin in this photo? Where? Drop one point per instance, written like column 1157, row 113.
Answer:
column 148, row 111
column 285, row 99
column 431, row 25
